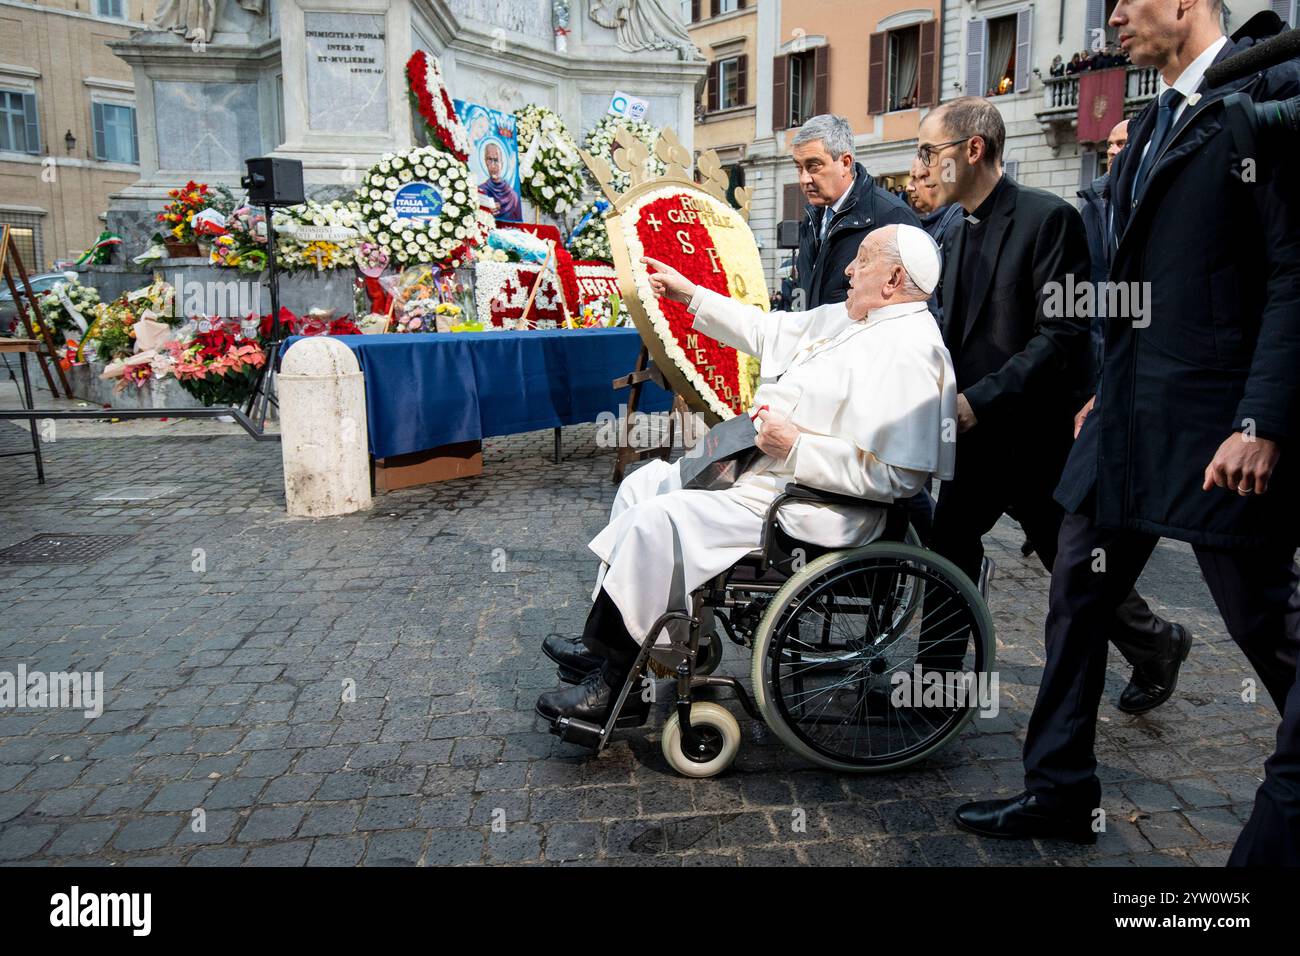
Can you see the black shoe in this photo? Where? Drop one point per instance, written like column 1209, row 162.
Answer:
column 591, row 701
column 574, row 660
column 1023, row 818
column 1153, row 682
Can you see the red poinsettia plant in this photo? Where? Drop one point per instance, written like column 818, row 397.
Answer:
column 218, row 366
column 429, row 94
column 291, row 324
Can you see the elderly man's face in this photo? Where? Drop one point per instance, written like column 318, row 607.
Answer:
column 822, row 178
column 868, row 275
column 492, row 160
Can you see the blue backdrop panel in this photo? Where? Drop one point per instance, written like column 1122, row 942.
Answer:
column 426, row 390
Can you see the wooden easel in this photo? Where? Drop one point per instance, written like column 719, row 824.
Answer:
column 11, row 264
column 645, row 371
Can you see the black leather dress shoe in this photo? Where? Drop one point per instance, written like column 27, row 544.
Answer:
column 591, row 701
column 1023, row 818
column 574, row 660
column 1153, row 682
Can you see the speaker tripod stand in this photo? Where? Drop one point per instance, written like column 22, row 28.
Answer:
column 263, row 397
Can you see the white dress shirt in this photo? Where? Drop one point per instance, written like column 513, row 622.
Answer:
column 1189, row 80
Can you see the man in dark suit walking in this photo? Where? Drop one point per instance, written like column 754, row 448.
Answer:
column 1188, row 439
column 1020, row 366
column 844, row 204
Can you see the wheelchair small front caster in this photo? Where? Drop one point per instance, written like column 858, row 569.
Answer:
column 712, row 745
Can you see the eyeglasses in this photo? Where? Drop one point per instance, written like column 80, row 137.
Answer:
column 926, row 153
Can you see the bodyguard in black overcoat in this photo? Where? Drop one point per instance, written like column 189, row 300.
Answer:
column 1021, row 365
column 1194, row 431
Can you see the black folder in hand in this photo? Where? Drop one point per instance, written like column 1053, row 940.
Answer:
column 721, row 455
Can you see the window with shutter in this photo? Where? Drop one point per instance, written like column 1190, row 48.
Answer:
column 793, row 202
column 695, row 11
column 976, row 34
column 1094, row 25
column 711, row 97
column 97, row 124
column 1011, row 167
column 742, row 80
column 1285, row 9
column 1024, row 42
column 821, row 81
column 115, row 133
column 927, row 90
column 780, row 92
column 728, row 83
column 876, row 86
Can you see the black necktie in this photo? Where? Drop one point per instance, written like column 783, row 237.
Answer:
column 1169, row 101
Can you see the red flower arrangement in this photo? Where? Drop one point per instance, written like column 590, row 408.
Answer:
column 291, row 324
column 218, row 367
column 435, row 106
column 717, row 363
column 178, row 215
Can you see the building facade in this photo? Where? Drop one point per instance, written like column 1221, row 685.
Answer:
column 68, row 131
column 874, row 62
column 726, row 32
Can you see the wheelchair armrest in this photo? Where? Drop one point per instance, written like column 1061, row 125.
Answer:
column 808, row 493
column 800, row 492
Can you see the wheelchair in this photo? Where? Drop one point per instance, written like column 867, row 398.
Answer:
column 829, row 630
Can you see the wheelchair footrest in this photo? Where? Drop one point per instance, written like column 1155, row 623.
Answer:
column 581, row 732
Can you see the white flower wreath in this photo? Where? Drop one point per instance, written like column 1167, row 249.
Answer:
column 445, row 237
column 550, row 169
column 600, row 142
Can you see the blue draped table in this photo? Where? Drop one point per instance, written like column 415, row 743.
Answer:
column 432, row 389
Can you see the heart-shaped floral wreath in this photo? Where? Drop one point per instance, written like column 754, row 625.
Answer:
column 711, row 244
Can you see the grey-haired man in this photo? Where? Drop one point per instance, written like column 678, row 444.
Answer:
column 843, row 205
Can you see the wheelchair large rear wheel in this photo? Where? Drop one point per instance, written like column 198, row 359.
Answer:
column 873, row 658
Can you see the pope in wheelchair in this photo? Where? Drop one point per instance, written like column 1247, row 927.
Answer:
column 855, row 410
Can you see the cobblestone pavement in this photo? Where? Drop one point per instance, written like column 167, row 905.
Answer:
column 224, row 686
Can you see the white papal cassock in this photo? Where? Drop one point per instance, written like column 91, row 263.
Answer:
column 876, row 404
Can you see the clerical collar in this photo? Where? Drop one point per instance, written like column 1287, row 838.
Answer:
column 984, row 209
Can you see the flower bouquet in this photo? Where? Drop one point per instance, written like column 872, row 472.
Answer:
column 317, row 235
column 550, row 169
column 589, row 239
column 219, row 366
column 178, row 215
column 67, row 307
column 114, row 328
column 243, row 246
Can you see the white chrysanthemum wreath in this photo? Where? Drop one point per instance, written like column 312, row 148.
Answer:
column 550, row 169
column 446, row 237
